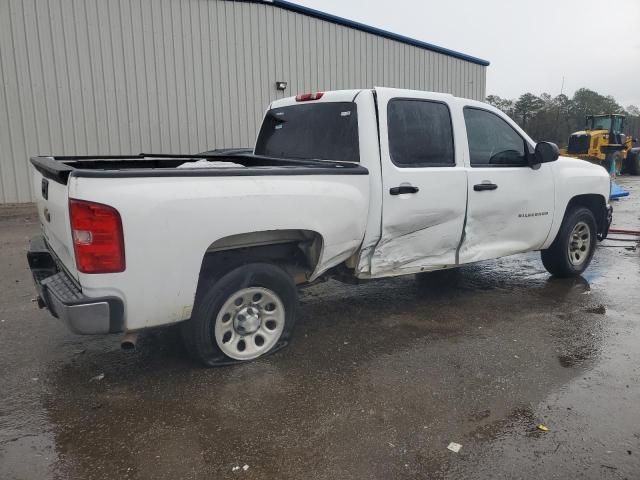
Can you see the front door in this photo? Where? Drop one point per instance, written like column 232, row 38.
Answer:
column 510, row 204
column 424, row 184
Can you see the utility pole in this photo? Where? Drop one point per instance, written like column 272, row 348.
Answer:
column 558, row 111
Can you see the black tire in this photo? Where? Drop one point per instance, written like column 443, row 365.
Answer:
column 199, row 332
column 557, row 258
column 632, row 164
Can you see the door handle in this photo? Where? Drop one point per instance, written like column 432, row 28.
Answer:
column 403, row 189
column 481, row 187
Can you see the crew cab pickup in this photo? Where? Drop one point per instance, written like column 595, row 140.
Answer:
column 354, row 184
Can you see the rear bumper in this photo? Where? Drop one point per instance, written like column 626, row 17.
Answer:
column 64, row 299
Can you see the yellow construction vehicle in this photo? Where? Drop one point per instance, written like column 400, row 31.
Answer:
column 603, row 142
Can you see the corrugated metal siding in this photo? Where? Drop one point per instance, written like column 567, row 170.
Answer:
column 119, row 76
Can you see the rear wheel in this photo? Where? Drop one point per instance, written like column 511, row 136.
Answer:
column 246, row 314
column 632, row 164
column 571, row 252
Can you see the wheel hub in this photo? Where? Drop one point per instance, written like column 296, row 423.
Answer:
column 579, row 243
column 247, row 321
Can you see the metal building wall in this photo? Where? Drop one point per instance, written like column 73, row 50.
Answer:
column 120, row 76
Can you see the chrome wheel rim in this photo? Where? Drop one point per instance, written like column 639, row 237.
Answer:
column 249, row 323
column 579, row 244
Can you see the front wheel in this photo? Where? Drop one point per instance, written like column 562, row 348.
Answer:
column 571, row 252
column 613, row 163
column 246, row 314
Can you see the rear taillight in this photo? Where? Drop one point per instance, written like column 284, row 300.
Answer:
column 305, row 97
column 97, row 235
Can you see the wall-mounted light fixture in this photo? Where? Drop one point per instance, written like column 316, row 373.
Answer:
column 281, row 85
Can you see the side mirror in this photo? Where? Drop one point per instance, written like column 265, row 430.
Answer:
column 545, row 152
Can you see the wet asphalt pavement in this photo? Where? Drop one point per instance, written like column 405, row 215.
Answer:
column 378, row 380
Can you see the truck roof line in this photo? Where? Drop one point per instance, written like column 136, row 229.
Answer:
column 311, row 12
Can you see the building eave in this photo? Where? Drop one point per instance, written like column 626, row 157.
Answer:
column 311, row 12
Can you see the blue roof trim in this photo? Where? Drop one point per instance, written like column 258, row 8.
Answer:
column 294, row 7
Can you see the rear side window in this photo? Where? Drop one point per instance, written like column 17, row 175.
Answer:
column 492, row 141
column 324, row 131
column 420, row 134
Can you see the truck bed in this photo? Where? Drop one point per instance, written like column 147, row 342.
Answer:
column 58, row 168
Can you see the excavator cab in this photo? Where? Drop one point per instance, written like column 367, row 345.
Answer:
column 613, row 124
column 603, row 142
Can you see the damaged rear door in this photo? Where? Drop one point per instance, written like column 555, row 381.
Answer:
column 424, row 183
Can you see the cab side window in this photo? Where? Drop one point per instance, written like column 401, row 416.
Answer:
column 492, row 141
column 420, row 133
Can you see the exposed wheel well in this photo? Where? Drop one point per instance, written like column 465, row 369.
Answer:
column 598, row 206
column 296, row 251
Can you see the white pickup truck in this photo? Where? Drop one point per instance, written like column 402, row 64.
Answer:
column 356, row 183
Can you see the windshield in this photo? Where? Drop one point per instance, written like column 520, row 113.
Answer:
column 325, row 131
column 600, row 123
column 604, row 123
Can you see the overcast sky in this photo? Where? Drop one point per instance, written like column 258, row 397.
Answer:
column 531, row 44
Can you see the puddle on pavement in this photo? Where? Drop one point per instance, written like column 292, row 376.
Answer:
column 386, row 361
column 377, row 377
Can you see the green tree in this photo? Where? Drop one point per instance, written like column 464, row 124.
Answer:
column 527, row 106
column 549, row 123
column 551, row 118
column 501, row 103
column 633, row 111
column 633, row 121
column 587, row 102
